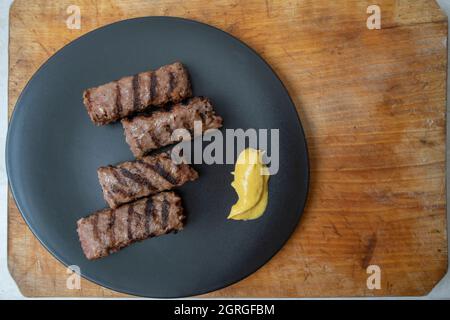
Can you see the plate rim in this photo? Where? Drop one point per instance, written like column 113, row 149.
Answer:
column 301, row 204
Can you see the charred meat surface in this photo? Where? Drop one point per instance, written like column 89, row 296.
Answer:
column 145, row 133
column 107, row 231
column 132, row 180
column 126, row 96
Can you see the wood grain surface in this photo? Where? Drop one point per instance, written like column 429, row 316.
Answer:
column 372, row 103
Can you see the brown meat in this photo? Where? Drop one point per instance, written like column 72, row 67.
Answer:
column 126, row 96
column 132, row 180
column 109, row 230
column 144, row 133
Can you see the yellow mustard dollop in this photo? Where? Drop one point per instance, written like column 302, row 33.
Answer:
column 251, row 177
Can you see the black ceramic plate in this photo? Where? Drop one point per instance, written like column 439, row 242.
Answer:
column 53, row 151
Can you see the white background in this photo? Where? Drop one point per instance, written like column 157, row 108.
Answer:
column 8, row 288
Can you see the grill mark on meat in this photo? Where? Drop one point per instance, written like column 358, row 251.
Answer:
column 118, row 109
column 154, row 139
column 137, row 178
column 118, row 177
column 153, row 84
column 116, row 189
column 148, row 214
column 165, row 212
column 157, row 168
column 136, row 97
column 120, row 183
column 110, row 193
column 112, row 220
column 129, row 220
column 171, row 84
column 139, row 144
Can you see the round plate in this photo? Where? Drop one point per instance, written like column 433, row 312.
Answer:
column 53, row 152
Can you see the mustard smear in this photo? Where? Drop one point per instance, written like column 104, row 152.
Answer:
column 251, row 178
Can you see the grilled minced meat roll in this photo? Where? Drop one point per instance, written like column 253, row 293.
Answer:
column 107, row 231
column 126, row 96
column 148, row 132
column 132, row 180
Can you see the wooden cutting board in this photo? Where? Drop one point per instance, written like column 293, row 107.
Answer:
column 373, row 106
